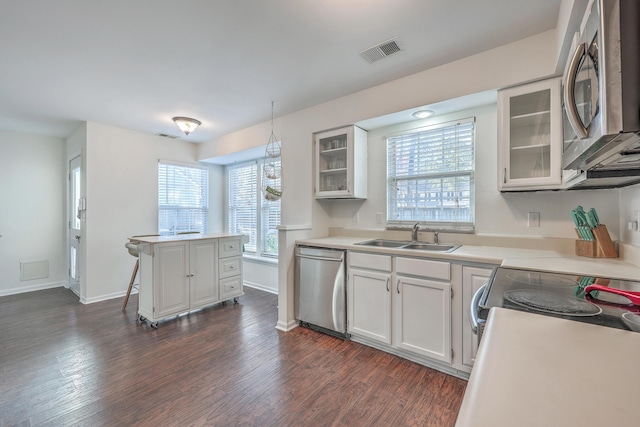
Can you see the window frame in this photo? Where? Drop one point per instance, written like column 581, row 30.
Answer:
column 463, row 226
column 203, row 208
column 261, row 206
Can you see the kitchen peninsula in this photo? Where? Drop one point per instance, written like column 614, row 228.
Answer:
column 185, row 272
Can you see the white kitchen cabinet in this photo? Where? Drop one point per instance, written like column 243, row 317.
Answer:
column 341, row 163
column 203, row 284
column 472, row 279
column 423, row 307
column 369, row 296
column 182, row 273
column 530, row 137
column 171, row 284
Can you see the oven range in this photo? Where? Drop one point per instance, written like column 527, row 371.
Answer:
column 568, row 296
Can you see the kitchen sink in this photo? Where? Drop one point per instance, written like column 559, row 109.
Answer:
column 381, row 243
column 431, row 247
column 400, row 244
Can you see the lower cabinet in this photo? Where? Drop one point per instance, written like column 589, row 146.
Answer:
column 423, row 316
column 369, row 296
column 401, row 303
column 472, row 279
column 370, row 305
column 178, row 276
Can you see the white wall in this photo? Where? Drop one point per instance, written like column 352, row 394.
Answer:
column 526, row 60
column 122, row 200
column 629, row 208
column 260, row 274
column 32, row 209
column 497, row 214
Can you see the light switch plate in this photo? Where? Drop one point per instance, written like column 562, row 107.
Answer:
column 533, row 219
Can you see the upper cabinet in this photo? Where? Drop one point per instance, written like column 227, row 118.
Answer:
column 341, row 163
column 530, row 137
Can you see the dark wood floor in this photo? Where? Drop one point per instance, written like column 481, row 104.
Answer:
column 64, row 363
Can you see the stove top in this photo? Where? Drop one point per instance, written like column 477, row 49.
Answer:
column 558, row 295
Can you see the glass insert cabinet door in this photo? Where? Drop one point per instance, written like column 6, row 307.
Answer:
column 341, row 163
column 530, row 135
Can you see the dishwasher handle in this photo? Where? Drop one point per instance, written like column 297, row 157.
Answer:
column 473, row 309
column 319, row 258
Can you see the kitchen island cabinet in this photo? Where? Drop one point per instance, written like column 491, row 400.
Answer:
column 186, row 272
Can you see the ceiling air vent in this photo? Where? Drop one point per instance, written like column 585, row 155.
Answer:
column 166, row 135
column 380, row 51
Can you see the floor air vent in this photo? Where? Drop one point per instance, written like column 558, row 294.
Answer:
column 380, row 51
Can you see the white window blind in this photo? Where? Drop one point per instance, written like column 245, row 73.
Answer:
column 248, row 212
column 183, row 198
column 430, row 176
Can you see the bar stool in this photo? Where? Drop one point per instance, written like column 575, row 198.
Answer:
column 134, row 251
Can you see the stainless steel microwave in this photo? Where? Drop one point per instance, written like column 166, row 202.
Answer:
column 602, row 92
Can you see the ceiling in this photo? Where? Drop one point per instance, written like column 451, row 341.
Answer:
column 136, row 64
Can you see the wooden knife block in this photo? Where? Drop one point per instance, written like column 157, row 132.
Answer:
column 602, row 247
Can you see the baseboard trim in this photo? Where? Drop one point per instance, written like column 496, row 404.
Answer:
column 31, row 288
column 286, row 327
column 260, row 287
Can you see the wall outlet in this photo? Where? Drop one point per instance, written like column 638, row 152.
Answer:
column 378, row 217
column 533, row 219
column 356, row 217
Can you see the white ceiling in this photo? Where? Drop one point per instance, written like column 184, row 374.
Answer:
column 136, row 63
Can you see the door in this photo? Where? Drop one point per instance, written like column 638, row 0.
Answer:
column 424, row 317
column 171, row 281
column 203, row 284
column 74, row 224
column 370, row 305
column 472, row 279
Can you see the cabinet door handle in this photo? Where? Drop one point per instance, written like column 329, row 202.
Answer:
column 388, row 283
column 504, row 176
column 189, row 275
column 398, row 286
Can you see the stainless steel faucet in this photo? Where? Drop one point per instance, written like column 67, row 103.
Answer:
column 436, row 238
column 414, row 232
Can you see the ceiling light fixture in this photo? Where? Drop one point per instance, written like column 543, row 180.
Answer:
column 423, row 114
column 186, row 124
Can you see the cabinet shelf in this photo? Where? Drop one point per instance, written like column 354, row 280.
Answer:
column 333, row 171
column 531, row 119
column 334, row 151
column 531, row 147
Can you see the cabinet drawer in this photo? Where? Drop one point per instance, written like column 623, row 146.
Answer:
column 424, row 268
column 370, row 261
column 230, row 287
column 230, row 246
column 229, row 267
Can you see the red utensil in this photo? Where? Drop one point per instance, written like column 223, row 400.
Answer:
column 634, row 297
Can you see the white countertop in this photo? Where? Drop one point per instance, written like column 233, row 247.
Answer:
column 534, row 370
column 180, row 237
column 533, row 259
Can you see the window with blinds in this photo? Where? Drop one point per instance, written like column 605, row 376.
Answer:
column 183, row 198
column 248, row 212
column 430, row 175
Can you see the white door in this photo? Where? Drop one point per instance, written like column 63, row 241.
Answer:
column 472, row 279
column 370, row 305
column 74, row 224
column 423, row 317
column 171, row 279
column 203, row 283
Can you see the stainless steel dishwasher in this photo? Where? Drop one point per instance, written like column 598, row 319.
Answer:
column 320, row 290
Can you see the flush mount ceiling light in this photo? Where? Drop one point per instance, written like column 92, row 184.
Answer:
column 423, row 114
column 186, row 124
